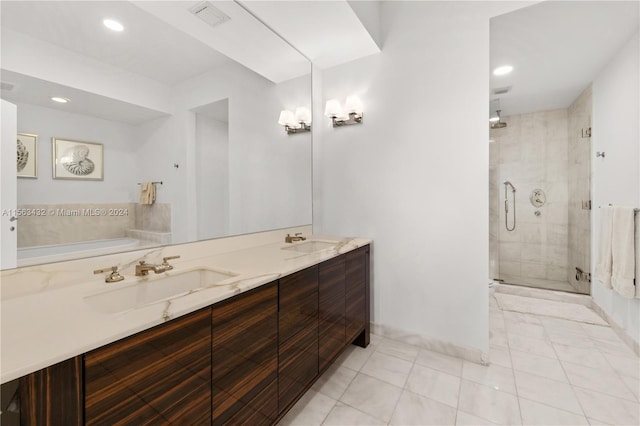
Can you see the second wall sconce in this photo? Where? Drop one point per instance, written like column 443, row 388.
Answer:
column 296, row 123
column 350, row 114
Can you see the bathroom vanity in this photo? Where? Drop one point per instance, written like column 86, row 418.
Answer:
column 243, row 353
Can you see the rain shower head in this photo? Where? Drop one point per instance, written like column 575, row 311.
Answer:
column 497, row 124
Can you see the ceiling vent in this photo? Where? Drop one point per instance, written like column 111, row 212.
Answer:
column 7, row 86
column 501, row 90
column 209, row 13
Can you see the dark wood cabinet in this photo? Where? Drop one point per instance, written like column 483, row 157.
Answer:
column 53, row 395
column 357, row 296
column 331, row 317
column 245, row 358
column 297, row 335
column 159, row 376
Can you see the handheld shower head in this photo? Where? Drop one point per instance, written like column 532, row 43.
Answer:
column 513, row 188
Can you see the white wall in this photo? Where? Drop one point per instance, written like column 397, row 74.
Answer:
column 119, row 184
column 212, row 170
column 414, row 176
column 616, row 178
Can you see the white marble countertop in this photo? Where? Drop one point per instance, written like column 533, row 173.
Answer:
column 41, row 328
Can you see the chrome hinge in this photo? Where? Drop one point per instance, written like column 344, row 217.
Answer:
column 586, row 205
column 586, row 132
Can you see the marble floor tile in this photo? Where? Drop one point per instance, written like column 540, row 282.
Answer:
column 494, row 376
column 500, row 356
column 605, row 408
column 388, row 368
column 466, row 419
column 343, row 415
column 570, row 338
column 633, row 385
column 530, row 345
column 534, row 413
column 583, row 356
column 334, row 381
column 535, row 331
column 550, row 392
column 441, row 362
column 311, row 409
column 602, row 381
column 398, row 349
column 434, row 384
column 563, row 324
column 600, row 332
column 487, row 403
column 511, row 317
column 614, row 348
column 354, row 357
column 539, row 365
column 498, row 338
column 624, row 366
column 372, row 396
column 414, row 409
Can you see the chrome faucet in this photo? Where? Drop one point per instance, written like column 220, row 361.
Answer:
column 142, row 269
column 297, row 237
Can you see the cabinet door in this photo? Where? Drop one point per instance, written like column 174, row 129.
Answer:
column 298, row 335
column 331, row 315
column 53, row 395
column 159, row 376
column 357, row 296
column 245, row 358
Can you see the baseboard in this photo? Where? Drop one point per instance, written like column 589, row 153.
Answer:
column 621, row 332
column 426, row 342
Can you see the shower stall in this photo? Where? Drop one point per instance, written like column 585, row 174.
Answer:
column 539, row 188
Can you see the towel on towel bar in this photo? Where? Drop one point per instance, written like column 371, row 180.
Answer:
column 623, row 254
column 147, row 193
column 603, row 265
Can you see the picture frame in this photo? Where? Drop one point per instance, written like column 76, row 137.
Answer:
column 27, row 156
column 77, row 160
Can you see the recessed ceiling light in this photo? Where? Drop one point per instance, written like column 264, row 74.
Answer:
column 503, row 70
column 60, row 100
column 113, row 25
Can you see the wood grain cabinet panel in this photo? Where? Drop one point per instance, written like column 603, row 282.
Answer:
column 245, row 358
column 53, row 395
column 297, row 335
column 357, row 297
column 331, row 316
column 159, row 376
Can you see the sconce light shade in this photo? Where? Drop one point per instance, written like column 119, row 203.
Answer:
column 286, row 118
column 303, row 115
column 332, row 108
column 353, row 104
column 295, row 123
column 351, row 114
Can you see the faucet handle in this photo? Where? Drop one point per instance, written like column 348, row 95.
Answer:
column 165, row 262
column 113, row 276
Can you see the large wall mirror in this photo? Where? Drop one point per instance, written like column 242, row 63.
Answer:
column 186, row 97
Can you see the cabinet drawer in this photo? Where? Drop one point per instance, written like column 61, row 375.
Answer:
column 298, row 365
column 298, row 303
column 331, row 310
column 161, row 375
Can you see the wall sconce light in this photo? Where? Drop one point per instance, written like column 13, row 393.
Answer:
column 295, row 123
column 351, row 114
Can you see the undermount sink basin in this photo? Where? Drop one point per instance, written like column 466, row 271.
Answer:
column 155, row 289
column 310, row 246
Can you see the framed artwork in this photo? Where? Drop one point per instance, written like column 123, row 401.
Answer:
column 27, row 155
column 77, row 160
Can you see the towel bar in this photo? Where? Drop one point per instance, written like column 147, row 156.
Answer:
column 636, row 210
column 160, row 182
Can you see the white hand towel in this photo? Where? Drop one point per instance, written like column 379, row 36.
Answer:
column 603, row 265
column 623, row 252
column 637, row 217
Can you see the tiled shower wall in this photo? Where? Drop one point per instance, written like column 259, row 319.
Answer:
column 69, row 223
column 531, row 152
column 579, row 190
